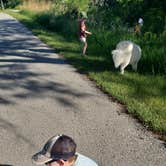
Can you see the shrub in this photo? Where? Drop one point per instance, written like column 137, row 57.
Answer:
column 154, row 24
column 58, row 23
column 13, row 3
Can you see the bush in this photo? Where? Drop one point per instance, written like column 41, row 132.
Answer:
column 13, row 3
column 62, row 24
column 154, row 24
column 73, row 8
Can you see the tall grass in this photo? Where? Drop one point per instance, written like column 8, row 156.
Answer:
column 153, row 60
column 60, row 23
column 36, row 5
column 103, row 40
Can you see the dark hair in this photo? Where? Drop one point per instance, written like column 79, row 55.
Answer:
column 65, row 147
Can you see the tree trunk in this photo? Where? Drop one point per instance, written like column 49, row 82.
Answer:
column 2, row 6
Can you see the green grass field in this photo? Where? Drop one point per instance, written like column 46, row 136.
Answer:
column 144, row 95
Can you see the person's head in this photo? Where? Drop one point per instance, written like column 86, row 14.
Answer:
column 82, row 22
column 58, row 151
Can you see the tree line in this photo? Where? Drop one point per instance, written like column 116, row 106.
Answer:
column 108, row 12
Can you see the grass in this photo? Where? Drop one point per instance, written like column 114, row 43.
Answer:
column 35, row 5
column 144, row 95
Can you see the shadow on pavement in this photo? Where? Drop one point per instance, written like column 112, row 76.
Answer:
column 18, row 49
column 6, row 125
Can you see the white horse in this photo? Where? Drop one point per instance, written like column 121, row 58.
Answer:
column 126, row 53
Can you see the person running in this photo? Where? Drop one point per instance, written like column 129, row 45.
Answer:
column 60, row 150
column 82, row 35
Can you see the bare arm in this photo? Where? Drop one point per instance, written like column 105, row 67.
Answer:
column 84, row 30
column 87, row 32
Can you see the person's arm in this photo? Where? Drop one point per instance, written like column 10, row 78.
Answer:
column 87, row 32
column 84, row 30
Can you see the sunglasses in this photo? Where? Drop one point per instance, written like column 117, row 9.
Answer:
column 53, row 160
column 49, row 162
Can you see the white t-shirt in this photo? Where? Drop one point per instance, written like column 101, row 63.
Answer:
column 84, row 161
column 140, row 21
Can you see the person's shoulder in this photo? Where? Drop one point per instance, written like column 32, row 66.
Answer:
column 83, row 160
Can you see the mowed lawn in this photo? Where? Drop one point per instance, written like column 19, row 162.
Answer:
column 143, row 95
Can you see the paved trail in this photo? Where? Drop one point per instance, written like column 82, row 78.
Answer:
column 41, row 95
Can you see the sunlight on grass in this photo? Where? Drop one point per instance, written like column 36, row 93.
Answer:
column 144, row 95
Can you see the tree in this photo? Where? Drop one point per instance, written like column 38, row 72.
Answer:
column 2, row 5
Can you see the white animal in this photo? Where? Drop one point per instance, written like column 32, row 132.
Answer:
column 126, row 53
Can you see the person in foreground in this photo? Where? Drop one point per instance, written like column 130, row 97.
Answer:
column 61, row 151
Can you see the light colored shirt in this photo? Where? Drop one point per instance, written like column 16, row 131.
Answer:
column 140, row 21
column 84, row 161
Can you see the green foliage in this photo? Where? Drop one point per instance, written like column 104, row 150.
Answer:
column 152, row 11
column 155, row 20
column 58, row 23
column 73, row 8
column 12, row 3
column 153, row 60
column 106, row 34
column 110, row 22
column 79, row 5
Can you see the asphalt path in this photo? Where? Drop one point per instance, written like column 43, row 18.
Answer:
column 41, row 96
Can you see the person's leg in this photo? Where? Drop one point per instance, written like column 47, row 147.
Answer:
column 83, row 40
column 84, row 48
